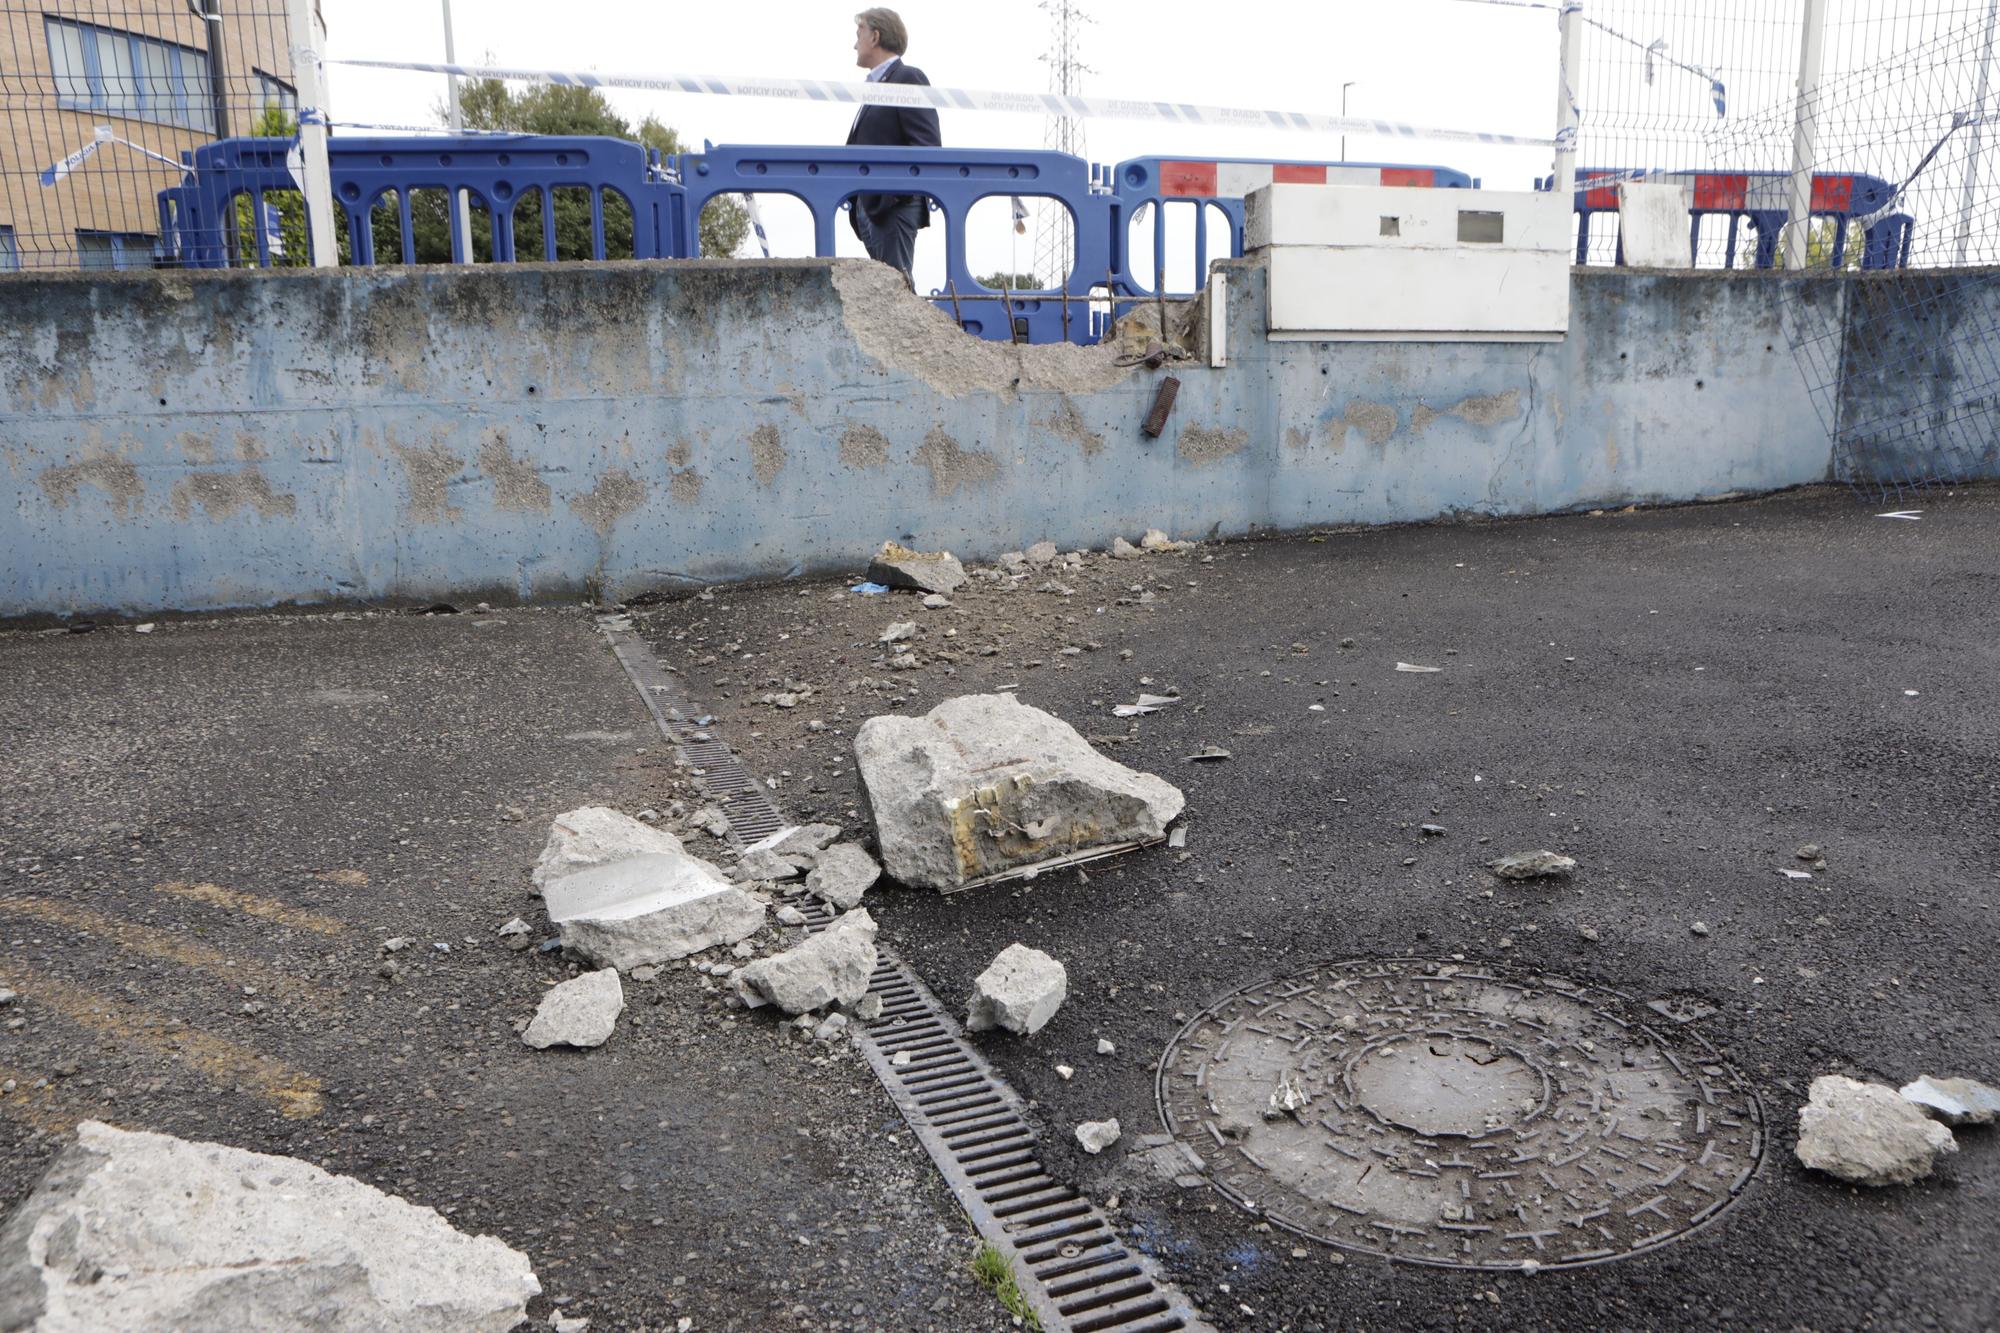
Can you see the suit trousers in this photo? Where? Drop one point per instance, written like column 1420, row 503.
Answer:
column 891, row 236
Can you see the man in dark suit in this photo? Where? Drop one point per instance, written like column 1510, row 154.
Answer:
column 887, row 223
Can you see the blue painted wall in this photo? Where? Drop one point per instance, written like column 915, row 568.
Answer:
column 202, row 440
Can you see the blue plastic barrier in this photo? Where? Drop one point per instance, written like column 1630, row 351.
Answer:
column 495, row 173
column 1763, row 198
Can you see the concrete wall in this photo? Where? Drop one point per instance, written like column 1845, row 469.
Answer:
column 243, row 439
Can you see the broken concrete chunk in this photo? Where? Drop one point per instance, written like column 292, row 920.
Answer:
column 983, row 785
column 710, row 820
column 582, row 1011
column 763, row 864
column 1532, row 865
column 649, row 909
column 868, row 1008
column 1956, row 1101
column 897, row 632
column 596, row 835
column 789, row 915
column 132, row 1230
column 1097, row 1135
column 1020, row 991
column 832, row 967
column 1867, row 1134
column 1041, row 553
column 925, row 571
column 843, row 874
column 517, row 935
column 1159, row 542
column 1123, row 550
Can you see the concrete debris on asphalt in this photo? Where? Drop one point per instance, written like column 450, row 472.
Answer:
column 653, row 904
column 789, row 915
column 937, row 601
column 1019, row 991
column 832, row 967
column 1413, row 669
column 866, row 1009
column 831, row 1028
column 582, row 1011
column 1208, row 754
column 1532, row 865
column 710, row 820
column 924, row 571
column 595, row 835
column 1104, row 1047
column 1868, row 1134
column 761, row 863
column 1177, row 838
column 1041, row 553
column 517, row 935
column 1289, row 1098
column 1124, row 550
column 897, row 632
column 1956, row 1101
column 1097, row 1135
column 1146, row 703
column 131, row 1230
column 984, row 784
column 1160, row 544
column 843, row 874
column 7, row 997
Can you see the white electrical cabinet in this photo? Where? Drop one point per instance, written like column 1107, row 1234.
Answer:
column 1393, row 264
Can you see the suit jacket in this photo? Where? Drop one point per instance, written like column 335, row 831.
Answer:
column 895, row 126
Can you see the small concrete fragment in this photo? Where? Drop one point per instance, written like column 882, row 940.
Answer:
column 763, row 864
column 1097, row 1135
column 984, row 785
column 1867, row 1134
column 1532, row 865
column 925, row 571
column 517, row 935
column 1160, row 544
column 832, row 967
column 649, row 909
column 843, row 874
column 1956, row 1101
column 868, row 1008
column 1123, row 550
column 132, row 1230
column 596, row 835
column 1019, row 991
column 1041, row 553
column 582, row 1011
column 897, row 632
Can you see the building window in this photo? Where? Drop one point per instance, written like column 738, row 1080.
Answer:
column 114, row 249
column 10, row 255
column 121, row 74
column 275, row 92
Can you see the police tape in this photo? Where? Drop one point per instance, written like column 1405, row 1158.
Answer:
column 917, row 96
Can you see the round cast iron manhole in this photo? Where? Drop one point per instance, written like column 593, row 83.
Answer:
column 1458, row 1114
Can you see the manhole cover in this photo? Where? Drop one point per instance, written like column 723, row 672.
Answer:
column 1459, row 1114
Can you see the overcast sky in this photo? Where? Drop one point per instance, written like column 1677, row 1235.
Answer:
column 1436, row 62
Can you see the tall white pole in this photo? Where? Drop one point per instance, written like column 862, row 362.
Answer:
column 1570, row 76
column 308, row 42
column 461, row 203
column 1805, row 136
column 1978, row 138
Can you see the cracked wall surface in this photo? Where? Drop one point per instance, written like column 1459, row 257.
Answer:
column 199, row 440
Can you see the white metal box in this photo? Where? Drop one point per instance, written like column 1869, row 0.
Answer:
column 1382, row 263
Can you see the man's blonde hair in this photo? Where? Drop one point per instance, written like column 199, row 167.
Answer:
column 889, row 29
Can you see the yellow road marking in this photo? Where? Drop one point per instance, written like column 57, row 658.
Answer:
column 152, row 942
column 221, row 1062
column 34, row 1105
column 267, row 909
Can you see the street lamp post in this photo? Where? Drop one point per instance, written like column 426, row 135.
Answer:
column 1343, row 115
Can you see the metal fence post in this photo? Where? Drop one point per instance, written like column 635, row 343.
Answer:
column 1978, row 142
column 1568, row 115
column 308, row 42
column 461, row 203
column 1805, row 145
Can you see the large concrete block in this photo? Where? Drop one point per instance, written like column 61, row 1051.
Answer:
column 149, row 1232
column 983, row 785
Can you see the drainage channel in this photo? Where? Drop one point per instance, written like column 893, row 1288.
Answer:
column 1068, row 1260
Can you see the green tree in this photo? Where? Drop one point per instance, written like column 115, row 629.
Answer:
column 1015, row 282
column 544, row 108
column 1819, row 246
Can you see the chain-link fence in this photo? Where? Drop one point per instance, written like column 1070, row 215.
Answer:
column 98, row 101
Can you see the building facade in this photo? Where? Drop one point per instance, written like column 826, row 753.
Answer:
column 99, row 100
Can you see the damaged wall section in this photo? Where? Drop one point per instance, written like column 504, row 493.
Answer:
column 225, row 439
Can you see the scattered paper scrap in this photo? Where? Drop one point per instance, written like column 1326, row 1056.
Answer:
column 1147, row 703
column 1913, row 515
column 1795, row 874
column 1413, row 668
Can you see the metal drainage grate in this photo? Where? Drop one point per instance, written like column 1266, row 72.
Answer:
column 1461, row 1115
column 1068, row 1261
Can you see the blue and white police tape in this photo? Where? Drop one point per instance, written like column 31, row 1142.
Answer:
column 910, row 95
